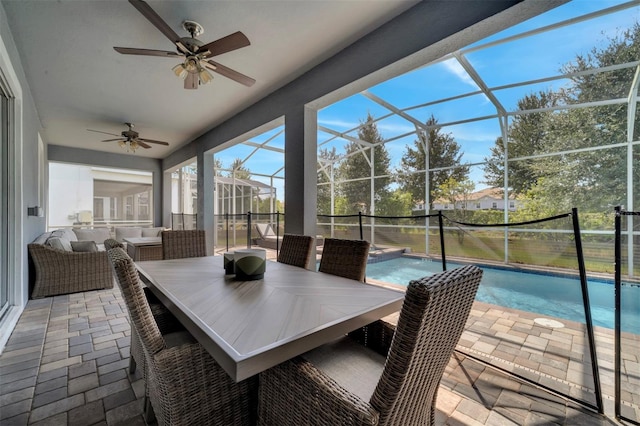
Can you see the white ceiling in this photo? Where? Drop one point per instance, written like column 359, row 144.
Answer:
column 79, row 82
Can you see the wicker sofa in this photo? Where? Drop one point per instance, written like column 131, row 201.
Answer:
column 64, row 261
column 55, row 268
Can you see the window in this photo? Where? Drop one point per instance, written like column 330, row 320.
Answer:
column 113, row 207
column 98, row 195
column 128, row 207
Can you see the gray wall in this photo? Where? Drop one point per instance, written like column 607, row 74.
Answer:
column 24, row 189
column 31, row 126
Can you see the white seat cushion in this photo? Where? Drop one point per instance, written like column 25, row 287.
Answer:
column 122, row 233
column 355, row 367
column 152, row 232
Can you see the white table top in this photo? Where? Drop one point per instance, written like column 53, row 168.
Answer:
column 251, row 326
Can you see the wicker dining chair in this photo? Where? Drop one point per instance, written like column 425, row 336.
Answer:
column 345, row 258
column 186, row 386
column 167, row 323
column 296, row 250
column 346, row 383
column 181, row 244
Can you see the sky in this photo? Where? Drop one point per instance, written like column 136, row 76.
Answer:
column 522, row 59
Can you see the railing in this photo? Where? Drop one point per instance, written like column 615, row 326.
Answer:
column 184, row 221
column 631, row 384
column 544, row 245
column 236, row 228
column 476, row 243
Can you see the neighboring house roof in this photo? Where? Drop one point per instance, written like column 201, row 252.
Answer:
column 483, row 194
column 241, row 182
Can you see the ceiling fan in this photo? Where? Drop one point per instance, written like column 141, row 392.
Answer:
column 130, row 139
column 194, row 54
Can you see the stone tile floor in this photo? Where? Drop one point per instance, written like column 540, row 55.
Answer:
column 66, row 363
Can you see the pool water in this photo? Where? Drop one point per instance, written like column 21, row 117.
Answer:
column 550, row 295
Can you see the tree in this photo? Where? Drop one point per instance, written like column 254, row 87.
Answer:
column 398, row 203
column 526, row 138
column 592, row 180
column 217, row 166
column 444, row 151
column 240, row 171
column 326, row 160
column 357, row 165
column 457, row 193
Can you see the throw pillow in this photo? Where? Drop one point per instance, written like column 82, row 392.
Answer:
column 59, row 243
column 42, row 238
column 84, row 246
column 96, row 234
column 68, row 234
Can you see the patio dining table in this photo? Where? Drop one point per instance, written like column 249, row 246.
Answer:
column 250, row 326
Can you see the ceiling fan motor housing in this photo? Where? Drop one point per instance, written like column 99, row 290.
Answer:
column 130, row 134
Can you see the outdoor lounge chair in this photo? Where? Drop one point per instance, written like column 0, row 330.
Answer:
column 267, row 237
column 348, row 384
column 186, row 386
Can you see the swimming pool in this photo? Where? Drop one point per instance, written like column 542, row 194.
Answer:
column 542, row 293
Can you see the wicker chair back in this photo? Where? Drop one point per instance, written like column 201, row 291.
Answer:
column 137, row 304
column 181, row 244
column 345, row 258
column 431, row 321
column 296, row 250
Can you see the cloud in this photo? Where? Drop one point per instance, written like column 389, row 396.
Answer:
column 454, row 67
column 388, row 129
column 345, row 125
column 396, row 129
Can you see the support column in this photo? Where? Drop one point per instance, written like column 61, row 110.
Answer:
column 206, row 198
column 166, row 199
column 300, row 159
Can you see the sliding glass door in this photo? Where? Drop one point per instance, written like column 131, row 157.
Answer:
column 4, row 203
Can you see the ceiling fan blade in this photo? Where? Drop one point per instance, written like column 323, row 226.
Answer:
column 152, row 141
column 226, row 44
column 191, row 81
column 142, row 144
column 229, row 73
column 146, row 52
column 157, row 21
column 113, row 140
column 106, row 133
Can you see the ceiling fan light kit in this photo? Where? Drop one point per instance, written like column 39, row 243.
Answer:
column 194, row 69
column 192, row 66
column 129, row 146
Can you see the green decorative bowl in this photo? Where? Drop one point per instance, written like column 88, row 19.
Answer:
column 250, row 264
